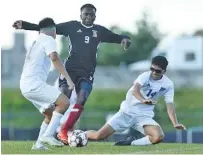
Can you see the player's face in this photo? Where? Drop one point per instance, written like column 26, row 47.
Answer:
column 88, row 16
column 156, row 72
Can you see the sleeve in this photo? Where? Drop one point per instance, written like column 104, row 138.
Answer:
column 61, row 28
column 110, row 37
column 50, row 46
column 29, row 26
column 169, row 95
column 64, row 28
column 142, row 79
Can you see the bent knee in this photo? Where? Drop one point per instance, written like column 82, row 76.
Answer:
column 157, row 138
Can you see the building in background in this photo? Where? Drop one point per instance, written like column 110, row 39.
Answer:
column 12, row 61
column 183, row 53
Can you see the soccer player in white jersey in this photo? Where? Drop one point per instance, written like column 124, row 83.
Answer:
column 47, row 99
column 136, row 111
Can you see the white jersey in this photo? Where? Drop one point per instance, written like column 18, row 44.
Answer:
column 37, row 63
column 151, row 89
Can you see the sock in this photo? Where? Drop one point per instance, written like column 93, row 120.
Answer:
column 54, row 123
column 41, row 132
column 73, row 117
column 66, row 115
column 58, row 129
column 142, row 141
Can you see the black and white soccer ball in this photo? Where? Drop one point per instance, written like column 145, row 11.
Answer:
column 77, row 138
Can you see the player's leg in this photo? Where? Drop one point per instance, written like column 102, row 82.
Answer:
column 119, row 122
column 101, row 134
column 151, row 129
column 83, row 89
column 48, row 114
column 73, row 100
column 154, row 135
column 64, row 88
column 44, row 97
column 62, row 104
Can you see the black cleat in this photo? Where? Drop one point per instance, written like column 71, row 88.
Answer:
column 124, row 142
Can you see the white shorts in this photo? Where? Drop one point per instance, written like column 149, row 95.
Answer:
column 121, row 121
column 43, row 96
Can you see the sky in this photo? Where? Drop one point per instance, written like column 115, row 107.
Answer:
column 173, row 17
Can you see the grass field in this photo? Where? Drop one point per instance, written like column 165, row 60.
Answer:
column 24, row 147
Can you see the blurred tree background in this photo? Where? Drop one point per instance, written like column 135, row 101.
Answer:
column 198, row 33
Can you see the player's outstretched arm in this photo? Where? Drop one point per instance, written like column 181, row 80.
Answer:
column 61, row 28
column 61, row 69
column 110, row 37
column 173, row 117
column 20, row 24
column 64, row 28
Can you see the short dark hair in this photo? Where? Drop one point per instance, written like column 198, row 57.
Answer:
column 88, row 6
column 46, row 22
column 160, row 61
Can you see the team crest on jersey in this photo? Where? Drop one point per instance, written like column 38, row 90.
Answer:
column 94, row 33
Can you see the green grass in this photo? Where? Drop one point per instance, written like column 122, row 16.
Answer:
column 23, row 147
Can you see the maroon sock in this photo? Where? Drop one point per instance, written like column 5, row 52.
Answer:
column 73, row 117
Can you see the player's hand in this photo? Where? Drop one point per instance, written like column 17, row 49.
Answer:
column 150, row 102
column 71, row 86
column 125, row 43
column 180, row 126
column 18, row 24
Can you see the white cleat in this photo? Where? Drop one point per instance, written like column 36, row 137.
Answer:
column 51, row 141
column 39, row 147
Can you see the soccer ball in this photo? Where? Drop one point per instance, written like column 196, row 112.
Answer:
column 77, row 138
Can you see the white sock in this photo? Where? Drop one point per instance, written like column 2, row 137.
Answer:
column 66, row 114
column 142, row 141
column 41, row 132
column 58, row 129
column 54, row 123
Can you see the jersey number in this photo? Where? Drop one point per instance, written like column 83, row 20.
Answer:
column 87, row 39
column 150, row 93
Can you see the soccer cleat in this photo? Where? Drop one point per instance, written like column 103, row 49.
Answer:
column 51, row 141
column 39, row 147
column 62, row 136
column 124, row 142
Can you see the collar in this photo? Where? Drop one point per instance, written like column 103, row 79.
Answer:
column 86, row 26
